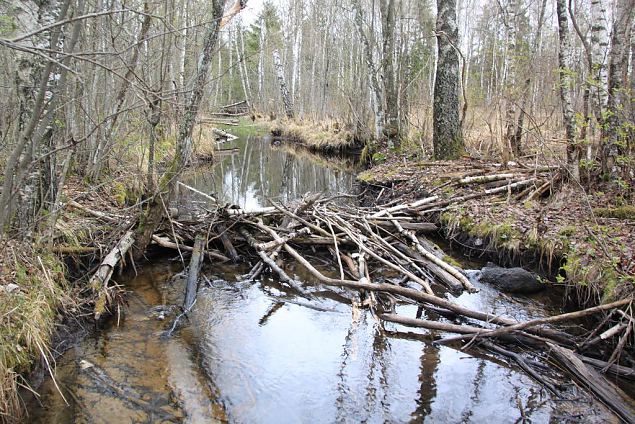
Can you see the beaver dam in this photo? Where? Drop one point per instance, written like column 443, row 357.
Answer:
column 271, row 295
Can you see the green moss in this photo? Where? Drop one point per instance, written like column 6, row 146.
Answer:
column 621, row 212
column 452, row 261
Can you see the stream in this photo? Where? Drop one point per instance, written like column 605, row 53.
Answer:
column 255, row 353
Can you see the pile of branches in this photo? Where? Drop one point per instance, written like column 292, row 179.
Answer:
column 380, row 259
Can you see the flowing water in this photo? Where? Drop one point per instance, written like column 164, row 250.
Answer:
column 254, row 353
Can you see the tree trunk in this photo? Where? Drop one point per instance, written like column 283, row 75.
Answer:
column 153, row 215
column 284, row 91
column 387, row 8
column 566, row 84
column 373, row 73
column 614, row 136
column 511, row 90
column 448, row 139
column 599, row 51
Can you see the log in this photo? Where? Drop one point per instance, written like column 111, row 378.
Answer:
column 617, row 370
column 486, row 178
column 605, row 391
column 413, row 206
column 227, row 243
column 430, row 325
column 196, row 262
column 224, row 135
column 97, row 214
column 99, row 280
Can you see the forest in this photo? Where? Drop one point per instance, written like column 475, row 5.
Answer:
column 362, row 193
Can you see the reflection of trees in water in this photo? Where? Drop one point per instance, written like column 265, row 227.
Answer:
column 429, row 363
column 381, row 346
column 257, row 171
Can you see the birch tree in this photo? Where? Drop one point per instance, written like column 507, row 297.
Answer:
column 448, row 138
column 615, row 133
column 566, row 83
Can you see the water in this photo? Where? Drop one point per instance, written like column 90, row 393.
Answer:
column 255, row 353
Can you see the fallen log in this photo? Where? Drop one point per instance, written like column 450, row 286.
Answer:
column 163, row 242
column 196, row 262
column 224, row 135
column 99, row 280
column 485, row 178
column 96, row 214
column 605, row 391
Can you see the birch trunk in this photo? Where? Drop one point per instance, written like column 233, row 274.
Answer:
column 511, row 96
column 284, row 91
column 615, row 131
column 448, row 140
column 566, row 84
column 599, row 51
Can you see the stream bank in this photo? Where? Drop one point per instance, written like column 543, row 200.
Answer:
column 578, row 239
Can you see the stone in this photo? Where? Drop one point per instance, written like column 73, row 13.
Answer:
column 511, row 280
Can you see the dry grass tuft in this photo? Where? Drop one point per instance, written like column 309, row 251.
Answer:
column 327, row 136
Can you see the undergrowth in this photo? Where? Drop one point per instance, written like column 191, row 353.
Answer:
column 32, row 290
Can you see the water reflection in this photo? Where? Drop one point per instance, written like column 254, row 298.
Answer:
column 253, row 170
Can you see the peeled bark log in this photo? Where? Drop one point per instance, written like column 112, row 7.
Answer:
column 99, row 280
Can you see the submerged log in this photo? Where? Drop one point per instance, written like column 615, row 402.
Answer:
column 608, row 393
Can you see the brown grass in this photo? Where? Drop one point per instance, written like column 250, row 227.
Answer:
column 323, row 136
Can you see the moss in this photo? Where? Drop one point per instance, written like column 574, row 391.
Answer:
column 452, row 261
column 621, row 212
column 119, row 193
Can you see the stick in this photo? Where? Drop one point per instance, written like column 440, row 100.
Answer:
column 547, row 320
column 163, row 242
column 196, row 261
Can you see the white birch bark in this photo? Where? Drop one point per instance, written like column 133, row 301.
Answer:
column 566, row 85
column 599, row 52
column 284, row 91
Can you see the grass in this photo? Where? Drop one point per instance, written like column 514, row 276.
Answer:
column 32, row 289
column 324, row 136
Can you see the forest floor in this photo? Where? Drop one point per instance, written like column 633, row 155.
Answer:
column 580, row 238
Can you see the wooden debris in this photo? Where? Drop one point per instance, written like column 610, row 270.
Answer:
column 608, row 393
column 99, row 280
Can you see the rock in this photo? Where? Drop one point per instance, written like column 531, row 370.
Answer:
column 10, row 288
column 511, row 280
